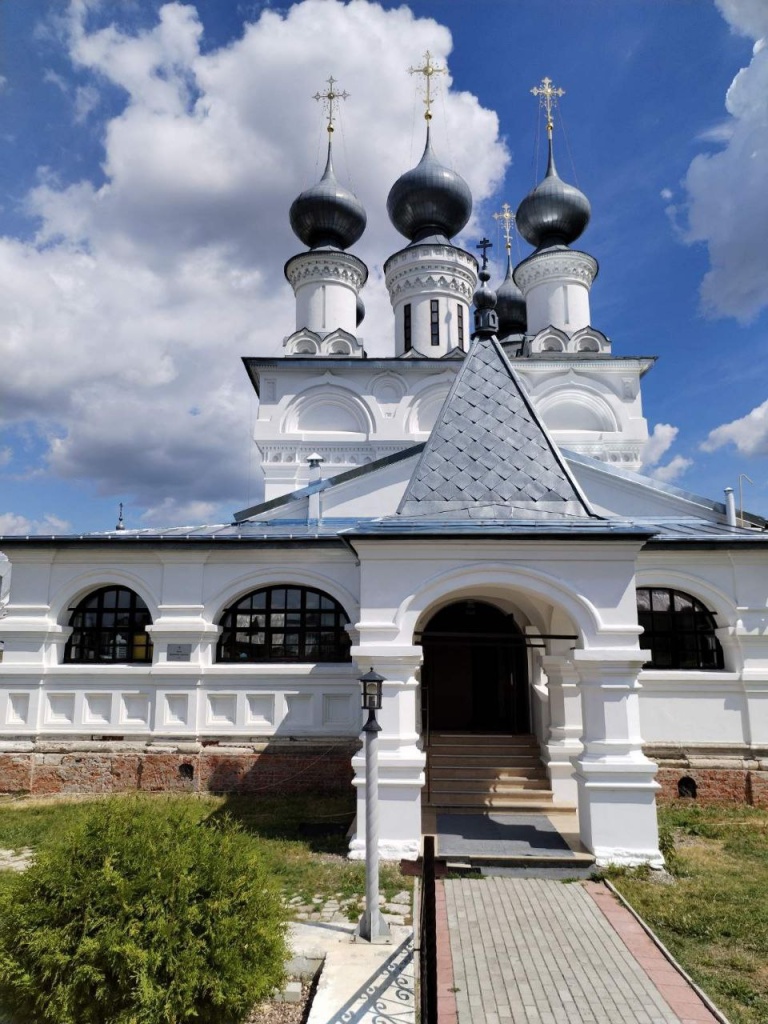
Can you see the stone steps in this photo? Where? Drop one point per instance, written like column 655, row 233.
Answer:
column 486, row 771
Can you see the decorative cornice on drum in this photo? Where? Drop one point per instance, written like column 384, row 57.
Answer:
column 562, row 264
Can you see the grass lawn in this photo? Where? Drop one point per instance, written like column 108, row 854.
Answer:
column 307, row 865
column 714, row 916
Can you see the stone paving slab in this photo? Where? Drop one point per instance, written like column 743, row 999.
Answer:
column 533, row 951
column 359, row 983
column 506, row 835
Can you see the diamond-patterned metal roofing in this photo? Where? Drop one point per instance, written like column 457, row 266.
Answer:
column 488, row 456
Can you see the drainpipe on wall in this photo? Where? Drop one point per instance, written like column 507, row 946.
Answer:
column 313, row 512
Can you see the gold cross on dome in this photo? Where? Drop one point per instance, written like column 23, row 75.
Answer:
column 428, row 70
column 548, row 97
column 507, row 219
column 330, row 100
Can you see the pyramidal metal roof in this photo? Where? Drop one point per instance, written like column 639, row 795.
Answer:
column 489, row 455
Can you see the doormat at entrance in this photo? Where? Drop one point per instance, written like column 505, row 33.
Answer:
column 499, row 835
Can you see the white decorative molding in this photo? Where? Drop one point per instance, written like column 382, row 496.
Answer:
column 298, row 709
column 135, row 709
column 260, row 709
column 555, row 264
column 60, row 709
column 328, row 264
column 17, row 709
column 97, row 708
column 222, row 709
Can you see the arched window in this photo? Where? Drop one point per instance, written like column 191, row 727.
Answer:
column 284, row 624
column 110, row 624
column 678, row 630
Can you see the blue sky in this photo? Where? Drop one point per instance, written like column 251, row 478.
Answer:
column 149, row 154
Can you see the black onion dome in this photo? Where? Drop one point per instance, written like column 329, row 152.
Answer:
column 510, row 305
column 429, row 200
column 327, row 213
column 554, row 213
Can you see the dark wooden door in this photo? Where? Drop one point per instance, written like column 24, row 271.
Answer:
column 474, row 671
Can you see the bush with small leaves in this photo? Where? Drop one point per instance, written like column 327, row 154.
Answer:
column 143, row 913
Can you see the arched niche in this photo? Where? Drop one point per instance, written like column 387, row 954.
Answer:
column 328, row 410
column 572, row 410
column 427, row 408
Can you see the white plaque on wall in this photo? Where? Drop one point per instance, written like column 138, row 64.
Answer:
column 179, row 652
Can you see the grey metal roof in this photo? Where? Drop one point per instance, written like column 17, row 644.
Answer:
column 326, row 484
column 674, row 530
column 640, row 480
column 554, row 528
column 489, row 456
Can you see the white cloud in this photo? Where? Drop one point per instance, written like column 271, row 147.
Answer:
column 721, row 132
column 747, row 17
column 660, row 441
column 727, row 199
column 145, row 285
column 671, row 470
column 13, row 525
column 749, row 433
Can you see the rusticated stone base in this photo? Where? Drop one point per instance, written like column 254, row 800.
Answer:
column 273, row 767
column 712, row 775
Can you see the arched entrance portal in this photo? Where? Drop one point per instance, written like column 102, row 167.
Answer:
column 474, row 676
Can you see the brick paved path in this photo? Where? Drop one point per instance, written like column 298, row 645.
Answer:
column 534, row 951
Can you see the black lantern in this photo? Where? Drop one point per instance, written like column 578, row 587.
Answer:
column 371, row 683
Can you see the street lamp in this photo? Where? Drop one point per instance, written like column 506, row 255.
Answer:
column 372, row 925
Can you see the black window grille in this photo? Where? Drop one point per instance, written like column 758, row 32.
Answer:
column 678, row 631
column 110, row 624
column 434, row 317
column 284, row 624
column 460, row 312
column 407, row 326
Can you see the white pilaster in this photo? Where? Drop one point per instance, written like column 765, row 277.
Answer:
column 745, row 648
column 401, row 761
column 615, row 780
column 563, row 744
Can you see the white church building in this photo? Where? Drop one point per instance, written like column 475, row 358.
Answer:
column 464, row 516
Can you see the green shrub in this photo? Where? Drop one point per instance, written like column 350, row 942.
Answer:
column 141, row 914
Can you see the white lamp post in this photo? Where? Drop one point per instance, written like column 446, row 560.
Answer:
column 372, row 927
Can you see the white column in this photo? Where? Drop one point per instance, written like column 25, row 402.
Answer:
column 615, row 780
column 563, row 744
column 401, row 761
